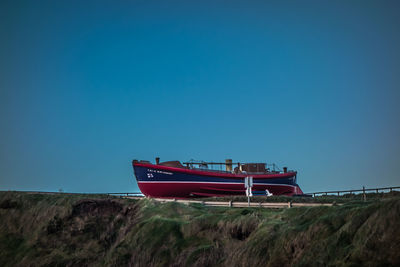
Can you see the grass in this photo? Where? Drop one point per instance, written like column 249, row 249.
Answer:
column 344, row 198
column 66, row 230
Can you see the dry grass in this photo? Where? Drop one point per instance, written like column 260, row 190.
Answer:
column 65, row 230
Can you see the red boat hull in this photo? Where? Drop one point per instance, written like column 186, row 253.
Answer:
column 170, row 182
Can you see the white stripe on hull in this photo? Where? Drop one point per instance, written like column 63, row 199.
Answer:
column 181, row 182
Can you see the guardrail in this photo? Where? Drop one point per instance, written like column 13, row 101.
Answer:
column 276, row 205
column 234, row 204
column 69, row 193
column 271, row 205
column 136, row 194
column 351, row 191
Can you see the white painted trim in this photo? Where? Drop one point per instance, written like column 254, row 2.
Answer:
column 181, row 182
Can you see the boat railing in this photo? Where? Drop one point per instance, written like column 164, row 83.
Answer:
column 221, row 166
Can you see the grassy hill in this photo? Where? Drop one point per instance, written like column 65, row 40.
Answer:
column 96, row 230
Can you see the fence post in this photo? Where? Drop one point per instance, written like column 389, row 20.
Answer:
column 364, row 196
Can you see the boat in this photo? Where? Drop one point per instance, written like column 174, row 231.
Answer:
column 173, row 179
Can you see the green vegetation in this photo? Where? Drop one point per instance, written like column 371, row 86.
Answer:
column 318, row 199
column 97, row 230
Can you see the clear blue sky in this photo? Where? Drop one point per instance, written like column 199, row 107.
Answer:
column 87, row 86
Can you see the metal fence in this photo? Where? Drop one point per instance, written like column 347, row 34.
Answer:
column 237, row 204
column 353, row 191
column 135, row 194
column 334, row 192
